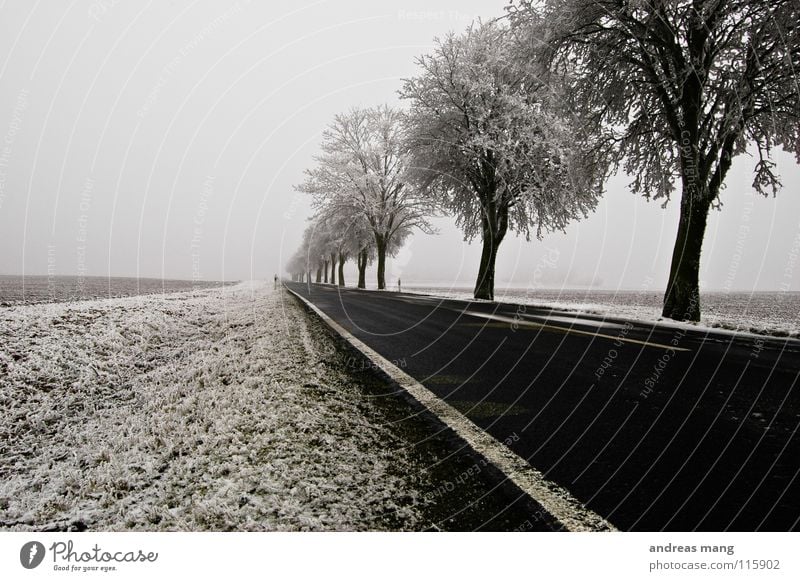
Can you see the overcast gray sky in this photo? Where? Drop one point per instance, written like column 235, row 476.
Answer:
column 163, row 139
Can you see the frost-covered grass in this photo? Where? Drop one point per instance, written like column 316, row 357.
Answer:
column 206, row 410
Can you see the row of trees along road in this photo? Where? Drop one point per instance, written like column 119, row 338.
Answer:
column 365, row 203
column 517, row 124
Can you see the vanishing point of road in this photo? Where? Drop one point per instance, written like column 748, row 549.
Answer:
column 652, row 426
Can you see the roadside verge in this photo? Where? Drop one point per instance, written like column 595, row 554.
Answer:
column 556, row 502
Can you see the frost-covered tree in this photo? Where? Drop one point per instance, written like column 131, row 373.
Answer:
column 356, row 239
column 363, row 166
column 364, row 247
column 316, row 245
column 307, row 257
column 296, row 265
column 339, row 226
column 490, row 147
column 679, row 88
column 340, row 233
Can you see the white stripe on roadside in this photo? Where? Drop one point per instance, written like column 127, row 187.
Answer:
column 575, row 321
column 573, row 515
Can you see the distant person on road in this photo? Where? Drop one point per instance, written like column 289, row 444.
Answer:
column 398, row 285
column 275, row 282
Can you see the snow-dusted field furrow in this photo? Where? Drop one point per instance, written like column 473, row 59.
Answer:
column 206, row 410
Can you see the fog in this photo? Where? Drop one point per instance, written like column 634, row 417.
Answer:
column 164, row 140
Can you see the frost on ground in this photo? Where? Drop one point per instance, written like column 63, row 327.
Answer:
column 206, row 410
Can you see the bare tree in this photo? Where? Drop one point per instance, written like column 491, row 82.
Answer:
column 490, row 147
column 678, row 88
column 363, row 167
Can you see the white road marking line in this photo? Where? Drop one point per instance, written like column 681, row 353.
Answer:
column 522, row 323
column 575, row 321
column 555, row 500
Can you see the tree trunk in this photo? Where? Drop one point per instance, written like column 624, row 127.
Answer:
column 495, row 225
column 325, row 267
column 362, row 269
column 341, row 269
column 484, row 287
column 682, row 299
column 333, row 268
column 319, row 274
column 380, row 248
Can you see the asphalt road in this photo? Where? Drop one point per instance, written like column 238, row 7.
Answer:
column 652, row 427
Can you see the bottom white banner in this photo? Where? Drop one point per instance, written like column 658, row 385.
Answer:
column 379, row 556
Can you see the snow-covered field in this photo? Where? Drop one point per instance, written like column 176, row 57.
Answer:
column 205, row 410
column 32, row 289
